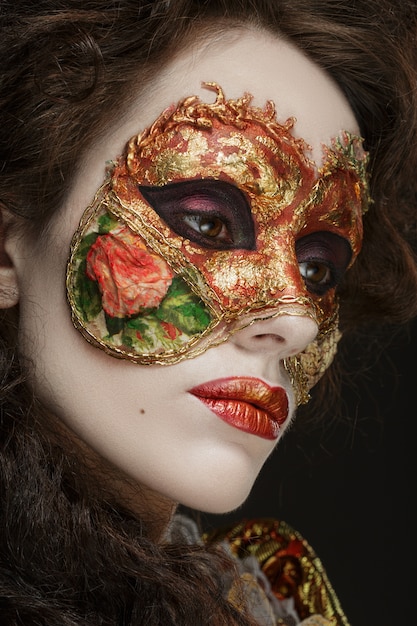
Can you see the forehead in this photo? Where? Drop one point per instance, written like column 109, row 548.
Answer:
column 269, row 68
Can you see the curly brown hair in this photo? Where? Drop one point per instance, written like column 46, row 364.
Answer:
column 69, row 554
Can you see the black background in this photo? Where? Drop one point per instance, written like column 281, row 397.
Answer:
column 349, row 487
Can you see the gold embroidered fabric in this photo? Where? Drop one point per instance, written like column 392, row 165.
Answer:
column 290, row 565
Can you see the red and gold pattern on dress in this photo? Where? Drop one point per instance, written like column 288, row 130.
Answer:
column 290, row 565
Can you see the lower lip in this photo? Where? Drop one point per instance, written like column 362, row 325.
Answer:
column 248, row 417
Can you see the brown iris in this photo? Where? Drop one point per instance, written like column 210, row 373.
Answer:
column 211, row 227
column 315, row 272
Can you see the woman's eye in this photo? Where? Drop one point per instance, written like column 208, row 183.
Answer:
column 323, row 258
column 211, row 213
column 209, row 227
column 316, row 273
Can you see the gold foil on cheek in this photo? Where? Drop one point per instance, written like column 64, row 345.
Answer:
column 246, row 277
column 265, row 279
column 306, row 368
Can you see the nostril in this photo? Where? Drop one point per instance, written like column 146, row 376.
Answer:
column 282, row 335
column 269, row 337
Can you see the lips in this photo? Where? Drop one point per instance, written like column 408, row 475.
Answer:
column 246, row 403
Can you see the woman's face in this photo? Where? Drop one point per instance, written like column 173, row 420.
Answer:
column 197, row 427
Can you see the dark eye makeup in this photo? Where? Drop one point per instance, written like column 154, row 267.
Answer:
column 211, row 213
column 323, row 258
column 216, row 215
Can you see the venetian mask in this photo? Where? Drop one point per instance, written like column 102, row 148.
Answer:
column 215, row 217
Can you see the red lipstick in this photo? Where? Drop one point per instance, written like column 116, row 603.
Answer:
column 246, row 403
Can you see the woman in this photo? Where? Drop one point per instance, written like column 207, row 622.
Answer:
column 187, row 211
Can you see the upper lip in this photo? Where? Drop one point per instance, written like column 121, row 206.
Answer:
column 246, row 389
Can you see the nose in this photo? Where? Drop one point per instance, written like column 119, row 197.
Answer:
column 282, row 334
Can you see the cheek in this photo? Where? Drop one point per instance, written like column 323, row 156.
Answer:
column 164, row 440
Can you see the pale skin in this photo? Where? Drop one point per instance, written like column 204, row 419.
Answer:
column 142, row 420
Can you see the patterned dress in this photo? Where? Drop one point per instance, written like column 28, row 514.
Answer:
column 282, row 578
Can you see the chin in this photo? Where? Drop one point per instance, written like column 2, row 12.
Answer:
column 217, row 503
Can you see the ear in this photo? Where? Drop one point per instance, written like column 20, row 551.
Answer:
column 9, row 289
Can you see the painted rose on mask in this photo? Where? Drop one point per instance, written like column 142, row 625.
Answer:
column 130, row 278
column 130, row 295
